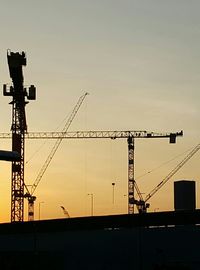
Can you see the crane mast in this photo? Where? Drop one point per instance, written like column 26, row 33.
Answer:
column 19, row 127
column 131, row 178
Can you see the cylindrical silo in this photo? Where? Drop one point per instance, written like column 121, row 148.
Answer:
column 184, row 195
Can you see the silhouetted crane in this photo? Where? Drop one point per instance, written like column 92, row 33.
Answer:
column 129, row 135
column 19, row 127
column 170, row 174
column 65, row 212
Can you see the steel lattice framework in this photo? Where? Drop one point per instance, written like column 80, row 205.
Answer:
column 18, row 128
column 129, row 135
column 98, row 134
column 131, row 178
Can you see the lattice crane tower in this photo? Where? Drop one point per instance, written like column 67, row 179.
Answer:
column 19, row 127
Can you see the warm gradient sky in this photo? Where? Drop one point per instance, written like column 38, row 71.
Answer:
column 140, row 62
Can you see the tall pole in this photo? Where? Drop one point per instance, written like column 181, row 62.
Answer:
column 92, row 203
column 113, row 192
column 39, row 208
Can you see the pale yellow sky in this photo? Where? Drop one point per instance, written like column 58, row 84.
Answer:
column 139, row 60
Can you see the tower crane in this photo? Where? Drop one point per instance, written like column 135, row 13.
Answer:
column 29, row 195
column 129, row 135
column 144, row 203
column 19, row 132
column 65, row 212
column 19, row 127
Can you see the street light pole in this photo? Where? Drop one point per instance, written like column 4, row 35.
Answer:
column 39, row 208
column 92, row 203
column 113, row 193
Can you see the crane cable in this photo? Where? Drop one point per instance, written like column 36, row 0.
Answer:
column 171, row 173
column 43, row 144
column 163, row 164
column 57, row 143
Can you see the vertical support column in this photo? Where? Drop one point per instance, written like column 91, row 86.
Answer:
column 131, row 181
column 17, row 185
column 15, row 62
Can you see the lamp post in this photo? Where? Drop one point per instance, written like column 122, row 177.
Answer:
column 113, row 192
column 92, row 203
column 39, row 208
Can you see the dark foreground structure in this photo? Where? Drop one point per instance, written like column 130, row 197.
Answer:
column 153, row 241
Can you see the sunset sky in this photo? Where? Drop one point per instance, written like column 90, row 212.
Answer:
column 140, row 62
